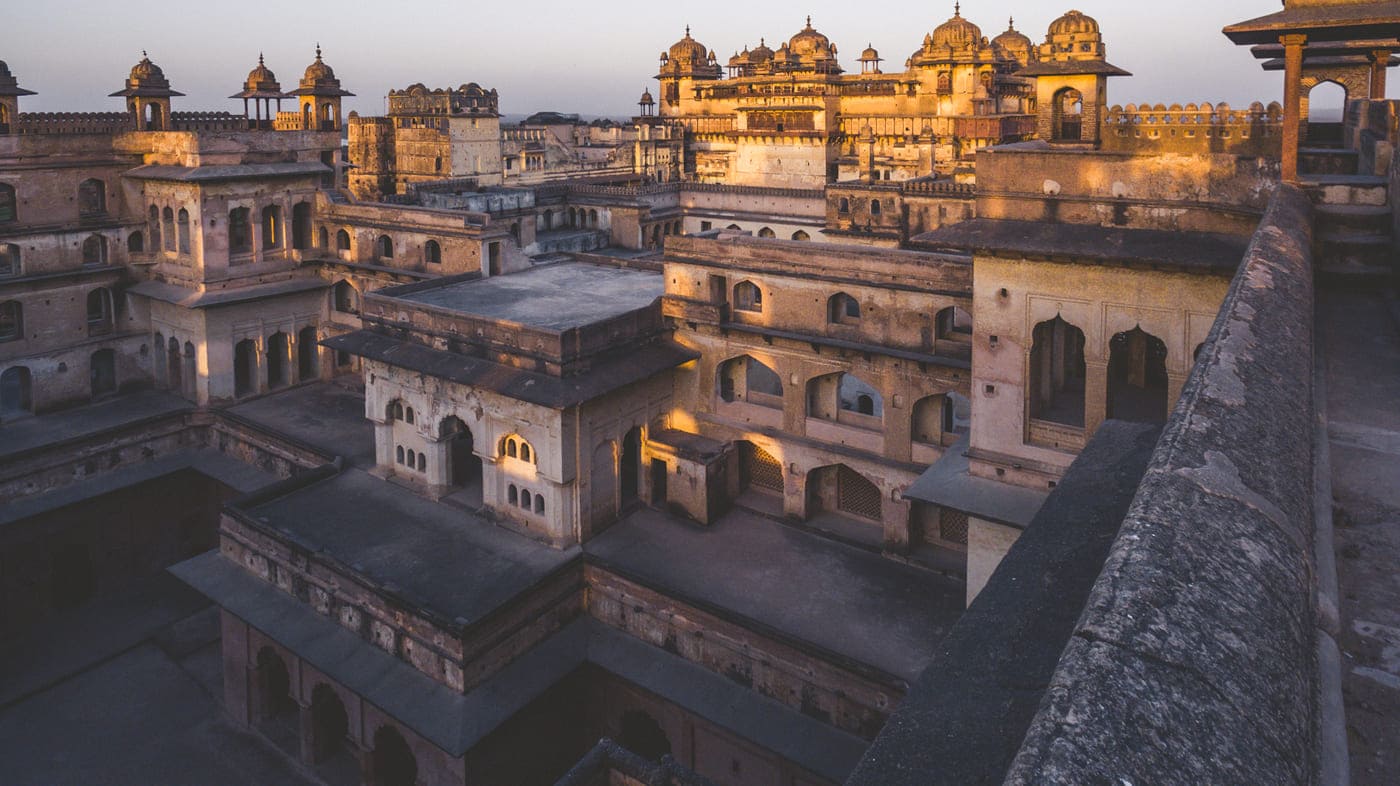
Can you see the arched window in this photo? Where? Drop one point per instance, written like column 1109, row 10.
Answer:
column 1057, row 373
column 245, row 367
column 279, row 348
column 513, row 495
column 395, row 410
column 345, row 299
column 308, row 354
column 844, row 206
column 1137, row 377
column 95, row 251
column 154, row 220
column 9, row 206
column 240, row 231
column 422, row 462
column 135, row 243
column 800, row 235
column 511, row 449
column 11, row 321
column 102, row 372
column 734, row 228
column 99, row 311
column 323, row 238
column 398, row 454
column 766, row 232
column 342, row 241
column 746, row 379
column 838, row 396
column 524, row 452
column 9, row 259
column 384, row 247
column 642, row 735
column 748, row 297
column 842, row 309
column 412, row 460
column 167, row 224
column 539, row 504
column 408, row 415
column 945, row 82
column 874, row 207
column 526, row 501
column 182, row 228
column 593, row 218
column 92, row 198
column 432, row 253
column 393, row 760
column 272, row 227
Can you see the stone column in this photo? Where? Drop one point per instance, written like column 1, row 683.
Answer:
column 1292, row 103
column 1095, row 396
column 896, row 515
column 1379, row 59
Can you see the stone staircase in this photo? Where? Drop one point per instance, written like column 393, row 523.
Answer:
column 1354, row 229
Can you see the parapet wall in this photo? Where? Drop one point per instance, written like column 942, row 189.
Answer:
column 1195, row 658
column 1256, row 131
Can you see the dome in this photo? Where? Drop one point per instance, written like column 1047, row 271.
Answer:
column 869, row 54
column 646, row 98
column 318, row 71
column 146, row 71
column 956, row 33
column 809, row 43
column 688, row 50
column 1013, row 41
column 147, row 80
column 1072, row 23
column 262, row 78
column 761, row 53
column 740, row 59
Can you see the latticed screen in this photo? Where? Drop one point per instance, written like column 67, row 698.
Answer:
column 857, row 495
column 759, row 468
column 952, row 526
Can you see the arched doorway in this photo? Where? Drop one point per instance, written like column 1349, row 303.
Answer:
column 1057, row 371
column 188, row 389
column 759, row 469
column 102, row 369
column 1324, row 112
column 393, row 761
column 330, row 726
column 602, row 485
column 1137, row 377
column 747, row 379
column 174, row 366
column 16, row 393
column 308, row 355
column 463, row 465
column 278, row 351
column 630, row 465
column 845, row 503
column 245, row 367
column 642, row 735
column 301, row 225
column 277, row 717
column 1068, row 115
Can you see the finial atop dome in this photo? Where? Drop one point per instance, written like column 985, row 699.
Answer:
column 809, row 21
column 957, row 7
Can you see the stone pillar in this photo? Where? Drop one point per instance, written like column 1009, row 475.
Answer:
column 1095, row 396
column 1379, row 59
column 1292, row 103
column 384, row 444
column 261, row 348
column 896, row 515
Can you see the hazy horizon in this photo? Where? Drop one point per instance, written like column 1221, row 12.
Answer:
column 596, row 63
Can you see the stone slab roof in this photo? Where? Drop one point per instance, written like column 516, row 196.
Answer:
column 191, row 298
column 553, row 297
column 457, row 722
column 1336, row 21
column 1071, row 68
column 1203, row 252
column 964, row 718
column 947, row 483
column 49, row 430
column 204, row 174
column 454, row 564
column 528, row 386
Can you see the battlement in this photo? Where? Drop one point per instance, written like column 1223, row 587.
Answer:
column 72, row 123
column 1203, row 128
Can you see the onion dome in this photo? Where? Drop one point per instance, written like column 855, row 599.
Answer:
column 740, row 59
column 1014, row 44
column 319, row 80
column 1072, row 23
column 869, row 55
column 761, row 54
column 9, row 86
column 146, row 80
column 956, row 33
column 646, row 99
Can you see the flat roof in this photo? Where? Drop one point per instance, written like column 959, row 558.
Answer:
column 949, row 483
column 1200, row 251
column 553, row 297
column 453, row 563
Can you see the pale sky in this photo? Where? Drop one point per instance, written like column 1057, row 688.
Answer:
column 592, row 58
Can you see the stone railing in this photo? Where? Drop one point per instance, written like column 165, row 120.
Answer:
column 1197, row 655
column 1193, row 128
column 73, row 123
column 207, row 121
column 939, row 188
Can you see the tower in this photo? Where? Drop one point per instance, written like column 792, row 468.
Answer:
column 1071, row 79
column 319, row 97
column 10, row 91
column 686, row 62
column 148, row 95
